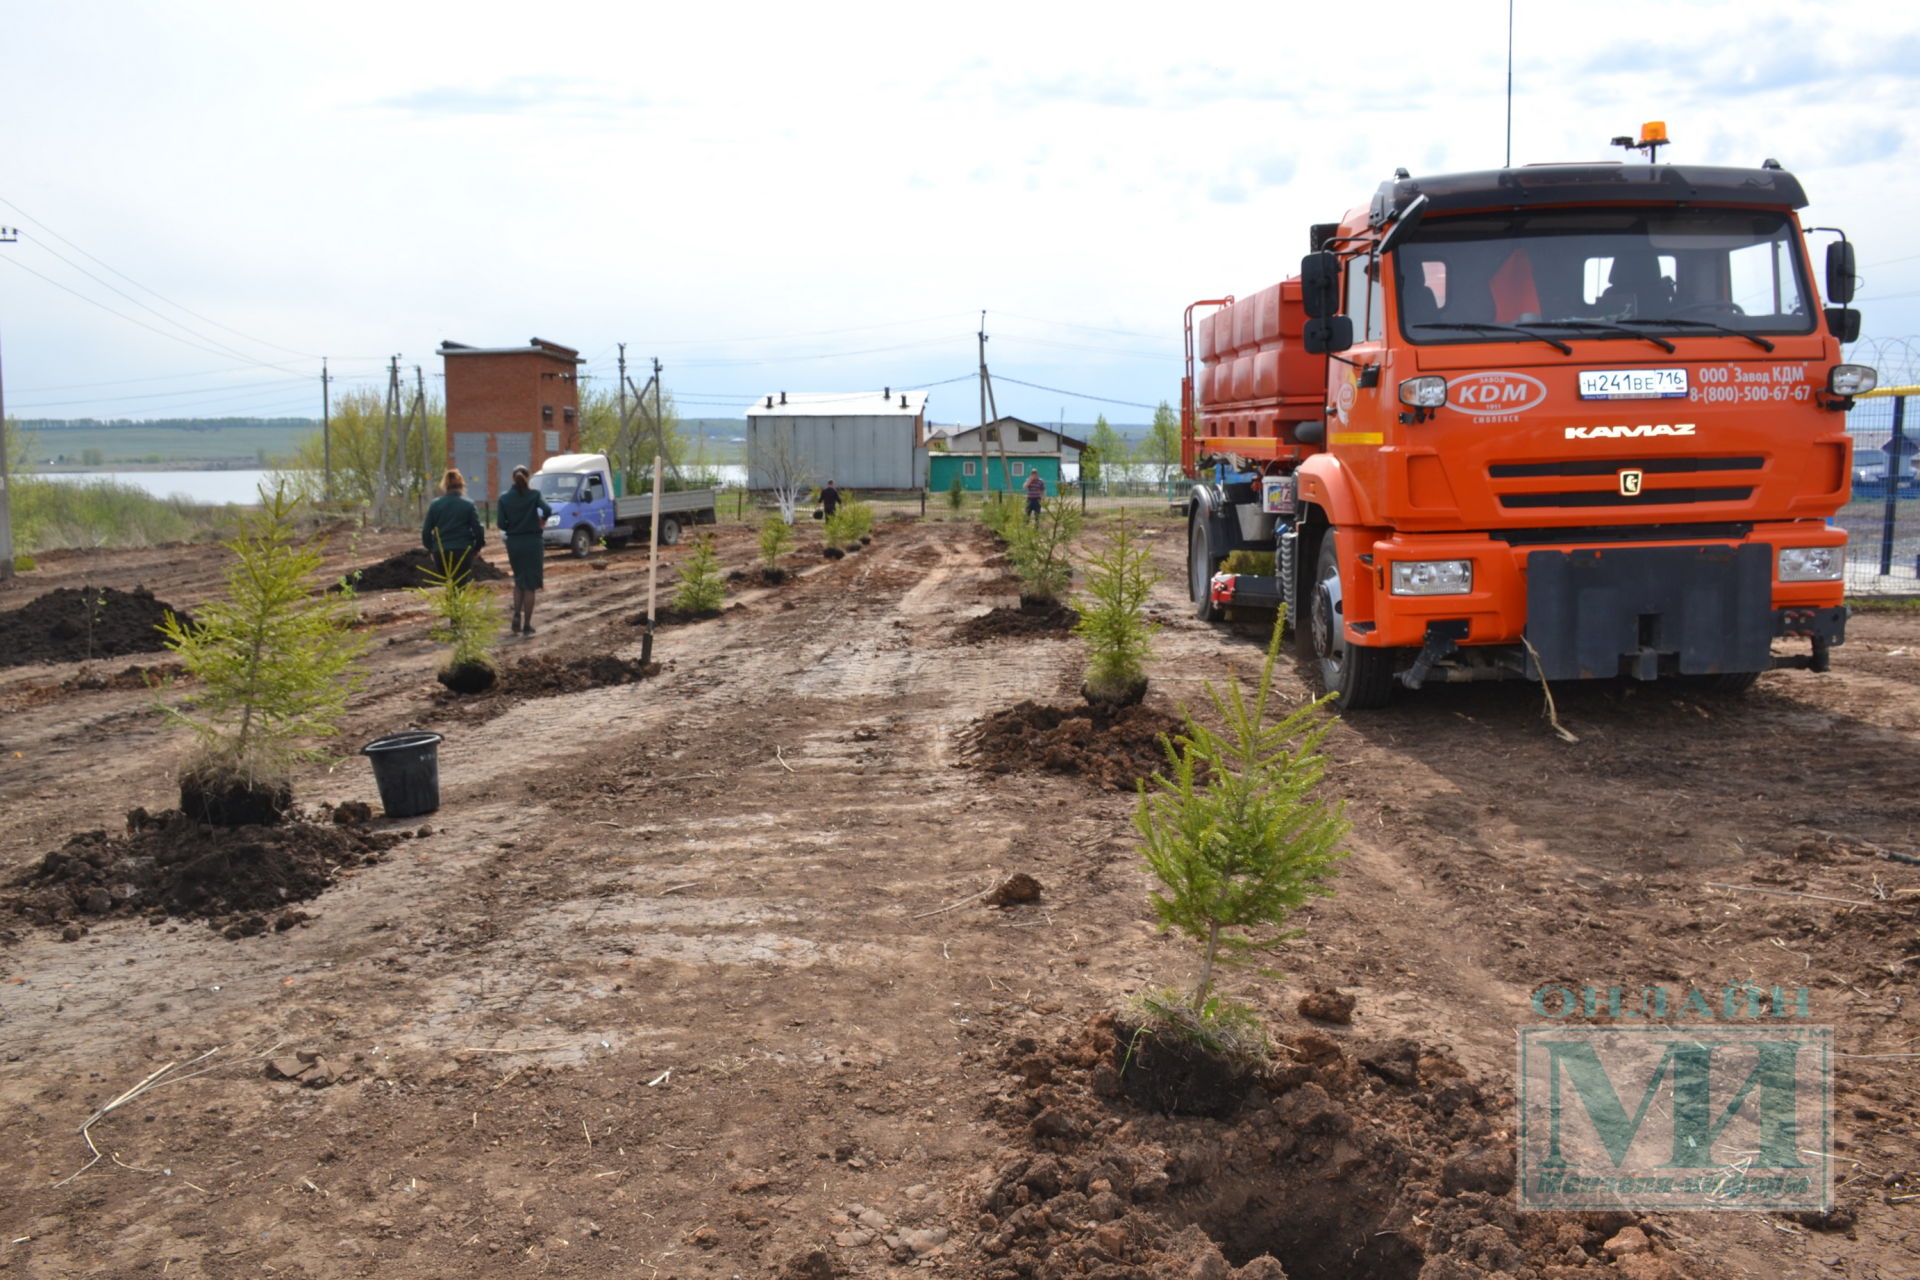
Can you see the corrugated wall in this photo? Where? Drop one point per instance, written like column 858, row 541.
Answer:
column 854, row 452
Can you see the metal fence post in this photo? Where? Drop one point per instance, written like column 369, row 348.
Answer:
column 1895, row 450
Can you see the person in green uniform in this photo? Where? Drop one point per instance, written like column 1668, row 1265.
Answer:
column 452, row 532
column 522, row 513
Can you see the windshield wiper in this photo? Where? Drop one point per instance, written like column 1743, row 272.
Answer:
column 1608, row 326
column 1754, row 338
column 1478, row 327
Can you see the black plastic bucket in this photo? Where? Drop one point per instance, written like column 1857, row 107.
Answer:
column 407, row 768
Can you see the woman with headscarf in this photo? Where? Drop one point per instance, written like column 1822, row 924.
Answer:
column 452, row 532
column 522, row 513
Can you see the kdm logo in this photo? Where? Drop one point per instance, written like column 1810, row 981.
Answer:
column 1617, row 433
column 1495, row 392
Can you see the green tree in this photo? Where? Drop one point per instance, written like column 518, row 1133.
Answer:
column 1161, row 449
column 631, row 452
column 273, row 660
column 1113, row 618
column 1238, row 836
column 702, row 583
column 357, row 431
column 776, row 537
column 1040, row 551
column 1107, row 446
column 466, row 620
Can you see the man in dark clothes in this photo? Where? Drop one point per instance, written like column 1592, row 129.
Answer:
column 829, row 501
column 1036, row 490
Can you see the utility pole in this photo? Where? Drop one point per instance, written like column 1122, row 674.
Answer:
column 326, row 433
column 984, row 488
column 8, row 235
column 660, row 424
column 426, row 440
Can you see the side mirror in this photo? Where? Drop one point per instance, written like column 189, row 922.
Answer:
column 1327, row 334
column 1840, row 277
column 1320, row 285
column 1844, row 324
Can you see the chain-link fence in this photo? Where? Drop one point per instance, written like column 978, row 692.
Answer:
column 1883, row 519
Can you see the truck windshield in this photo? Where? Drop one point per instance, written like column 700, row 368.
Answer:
column 1639, row 271
column 562, row 486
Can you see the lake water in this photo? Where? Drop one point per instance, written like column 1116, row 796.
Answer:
column 211, row 488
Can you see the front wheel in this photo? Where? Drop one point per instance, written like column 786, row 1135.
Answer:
column 582, row 544
column 1362, row 677
column 1200, row 566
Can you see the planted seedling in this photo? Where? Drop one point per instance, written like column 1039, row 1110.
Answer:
column 1239, row 838
column 467, row 620
column 702, row 584
column 1113, row 619
column 273, row 665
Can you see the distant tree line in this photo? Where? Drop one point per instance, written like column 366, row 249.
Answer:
column 166, row 424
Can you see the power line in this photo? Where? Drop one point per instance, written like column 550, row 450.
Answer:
column 136, row 284
column 1077, row 395
column 212, row 351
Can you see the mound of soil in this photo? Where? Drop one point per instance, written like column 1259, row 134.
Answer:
column 409, row 569
column 169, row 865
column 550, row 674
column 760, row 576
column 1112, row 746
column 1030, row 618
column 77, row 624
column 132, row 679
column 1383, row 1161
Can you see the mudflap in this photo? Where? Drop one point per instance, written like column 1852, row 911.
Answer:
column 1646, row 612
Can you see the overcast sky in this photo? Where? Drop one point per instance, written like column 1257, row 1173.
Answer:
column 211, row 196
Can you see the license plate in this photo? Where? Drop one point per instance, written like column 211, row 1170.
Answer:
column 1633, row 384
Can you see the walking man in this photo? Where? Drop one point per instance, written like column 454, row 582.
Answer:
column 1036, row 490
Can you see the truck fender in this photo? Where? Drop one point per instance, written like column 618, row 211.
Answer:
column 1325, row 483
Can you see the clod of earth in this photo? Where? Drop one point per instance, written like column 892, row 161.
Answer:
column 78, row 624
column 1029, row 619
column 1326, row 1005
column 1308, row 1169
column 410, row 569
column 1112, row 747
column 1016, row 888
column 169, row 865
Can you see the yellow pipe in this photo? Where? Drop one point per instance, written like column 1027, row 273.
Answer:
column 1888, row 391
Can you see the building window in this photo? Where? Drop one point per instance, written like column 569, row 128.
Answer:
column 1019, row 468
column 969, row 468
column 546, row 412
column 568, row 411
column 1029, row 436
column 993, row 435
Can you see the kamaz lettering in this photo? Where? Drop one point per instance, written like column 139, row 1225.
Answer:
column 1618, row 433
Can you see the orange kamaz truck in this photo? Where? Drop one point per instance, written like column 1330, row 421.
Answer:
column 1576, row 421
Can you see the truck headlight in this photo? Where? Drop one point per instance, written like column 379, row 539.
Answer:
column 1429, row 392
column 553, row 522
column 1812, row 564
column 1432, row 577
column 1852, row 379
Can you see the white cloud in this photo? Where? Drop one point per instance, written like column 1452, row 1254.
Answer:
column 369, row 179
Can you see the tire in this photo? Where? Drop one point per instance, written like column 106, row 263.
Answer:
column 1362, row 677
column 1200, row 566
column 669, row 530
column 582, row 544
column 618, row 544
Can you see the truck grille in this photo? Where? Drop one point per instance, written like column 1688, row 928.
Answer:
column 1605, row 469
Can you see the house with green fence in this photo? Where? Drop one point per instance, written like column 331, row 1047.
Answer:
column 999, row 457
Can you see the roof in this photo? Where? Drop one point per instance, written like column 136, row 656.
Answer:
column 954, row 433
column 1552, row 184
column 535, row 347
column 840, row 404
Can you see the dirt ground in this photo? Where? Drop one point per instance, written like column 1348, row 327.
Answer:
column 696, row 972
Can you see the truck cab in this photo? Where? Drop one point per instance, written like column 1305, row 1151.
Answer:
column 580, row 489
column 1561, row 422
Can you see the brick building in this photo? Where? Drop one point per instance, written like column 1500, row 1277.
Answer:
column 509, row 407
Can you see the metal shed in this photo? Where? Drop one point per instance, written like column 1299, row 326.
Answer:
column 859, row 440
